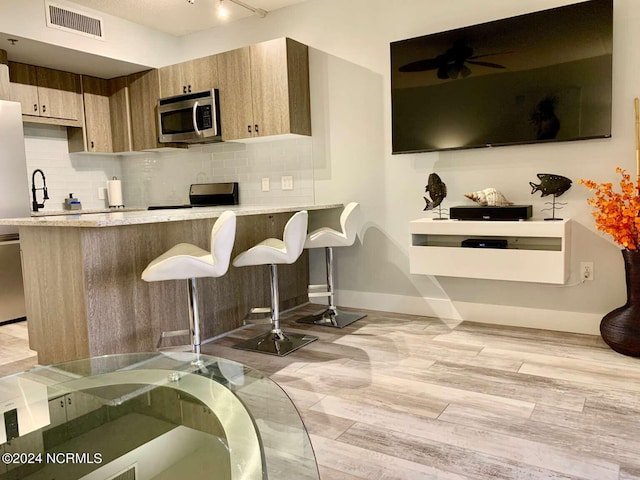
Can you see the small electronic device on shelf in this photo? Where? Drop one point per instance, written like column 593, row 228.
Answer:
column 480, row 212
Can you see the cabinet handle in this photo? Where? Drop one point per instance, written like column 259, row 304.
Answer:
column 35, row 107
column 184, row 89
column 189, row 88
column 61, row 404
column 256, row 128
column 249, row 128
column 92, row 145
column 44, row 108
column 69, row 401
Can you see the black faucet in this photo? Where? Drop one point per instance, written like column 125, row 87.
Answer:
column 35, row 205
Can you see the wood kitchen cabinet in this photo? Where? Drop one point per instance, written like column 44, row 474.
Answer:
column 120, row 114
column 144, row 92
column 45, row 93
column 97, row 115
column 189, row 77
column 264, row 90
column 106, row 117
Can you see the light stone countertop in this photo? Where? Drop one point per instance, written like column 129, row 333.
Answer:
column 138, row 217
column 48, row 213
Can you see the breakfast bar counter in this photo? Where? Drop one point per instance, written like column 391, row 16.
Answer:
column 83, row 292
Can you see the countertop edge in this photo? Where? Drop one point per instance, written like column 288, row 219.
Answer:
column 140, row 217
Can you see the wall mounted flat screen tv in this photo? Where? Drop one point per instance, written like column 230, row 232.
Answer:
column 539, row 77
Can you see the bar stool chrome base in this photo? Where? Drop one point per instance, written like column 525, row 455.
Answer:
column 273, row 252
column 332, row 318
column 276, row 343
column 193, row 332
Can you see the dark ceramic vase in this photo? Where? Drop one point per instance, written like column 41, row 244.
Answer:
column 620, row 328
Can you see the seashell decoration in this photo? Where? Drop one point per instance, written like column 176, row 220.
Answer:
column 489, row 197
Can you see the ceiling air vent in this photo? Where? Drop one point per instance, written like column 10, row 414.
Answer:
column 74, row 21
column 130, row 473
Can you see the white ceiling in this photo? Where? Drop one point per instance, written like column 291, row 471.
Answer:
column 179, row 17
column 174, row 17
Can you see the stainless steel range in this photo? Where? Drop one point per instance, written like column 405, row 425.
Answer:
column 208, row 195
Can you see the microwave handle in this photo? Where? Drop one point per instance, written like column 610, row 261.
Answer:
column 195, row 122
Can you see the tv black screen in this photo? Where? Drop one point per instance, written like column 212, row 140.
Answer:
column 539, row 77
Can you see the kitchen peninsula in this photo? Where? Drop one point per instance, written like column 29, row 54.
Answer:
column 84, row 295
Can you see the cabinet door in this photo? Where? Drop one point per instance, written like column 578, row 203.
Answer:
column 23, row 87
column 120, row 114
column 200, row 74
column 79, row 404
column 189, row 77
column 171, row 81
column 269, row 86
column 280, row 87
column 236, row 109
column 57, row 412
column 97, row 114
column 59, row 94
column 144, row 92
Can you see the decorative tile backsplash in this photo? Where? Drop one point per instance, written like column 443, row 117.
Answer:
column 81, row 174
column 164, row 177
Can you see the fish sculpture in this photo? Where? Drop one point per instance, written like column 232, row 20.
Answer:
column 550, row 184
column 437, row 191
column 489, row 197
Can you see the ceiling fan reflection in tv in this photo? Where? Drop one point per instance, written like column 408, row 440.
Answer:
column 451, row 64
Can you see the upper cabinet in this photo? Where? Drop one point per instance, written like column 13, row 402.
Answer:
column 106, row 117
column 120, row 114
column 264, row 90
column 45, row 93
column 97, row 114
column 189, row 77
column 144, row 92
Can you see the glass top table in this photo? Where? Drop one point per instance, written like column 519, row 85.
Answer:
column 160, row 416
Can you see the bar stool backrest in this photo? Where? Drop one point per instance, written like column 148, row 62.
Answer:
column 295, row 234
column 350, row 221
column 222, row 238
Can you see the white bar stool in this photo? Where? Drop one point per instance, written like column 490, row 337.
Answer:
column 328, row 238
column 272, row 252
column 188, row 262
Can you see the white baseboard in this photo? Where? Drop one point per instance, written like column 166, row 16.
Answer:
column 546, row 319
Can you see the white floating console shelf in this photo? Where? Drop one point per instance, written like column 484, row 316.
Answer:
column 537, row 250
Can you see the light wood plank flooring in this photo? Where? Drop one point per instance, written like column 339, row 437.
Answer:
column 404, row 397
column 15, row 355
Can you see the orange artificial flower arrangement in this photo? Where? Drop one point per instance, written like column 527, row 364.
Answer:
column 617, row 213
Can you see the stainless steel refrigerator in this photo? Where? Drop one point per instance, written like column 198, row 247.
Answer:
column 14, row 202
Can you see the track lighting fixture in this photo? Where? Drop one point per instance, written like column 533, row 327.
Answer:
column 223, row 12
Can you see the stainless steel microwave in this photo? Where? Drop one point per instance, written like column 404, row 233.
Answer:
column 190, row 118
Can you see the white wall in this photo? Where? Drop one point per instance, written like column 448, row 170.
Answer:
column 163, row 178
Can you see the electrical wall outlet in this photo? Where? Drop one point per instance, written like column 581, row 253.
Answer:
column 265, row 184
column 586, row 271
column 101, row 193
column 287, row 182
